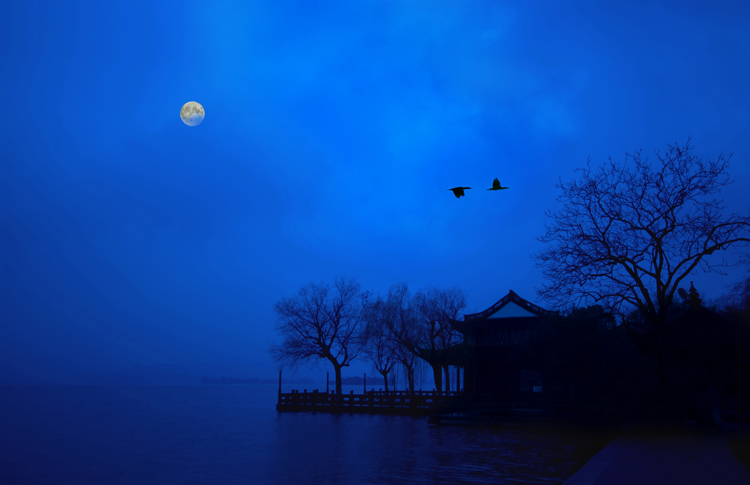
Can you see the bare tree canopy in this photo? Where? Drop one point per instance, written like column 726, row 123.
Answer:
column 628, row 234
column 436, row 307
column 402, row 327
column 401, row 319
column 321, row 322
column 380, row 345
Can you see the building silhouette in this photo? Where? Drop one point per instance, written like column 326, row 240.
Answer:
column 491, row 340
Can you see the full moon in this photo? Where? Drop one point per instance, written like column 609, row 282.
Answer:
column 192, row 113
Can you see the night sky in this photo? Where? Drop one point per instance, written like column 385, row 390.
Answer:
column 332, row 133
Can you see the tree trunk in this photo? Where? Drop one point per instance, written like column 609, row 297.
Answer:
column 447, row 371
column 437, row 374
column 385, row 379
column 410, row 378
column 337, row 371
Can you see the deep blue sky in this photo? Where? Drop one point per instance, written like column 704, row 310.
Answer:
column 332, row 132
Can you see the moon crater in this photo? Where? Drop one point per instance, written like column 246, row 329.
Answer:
column 192, row 113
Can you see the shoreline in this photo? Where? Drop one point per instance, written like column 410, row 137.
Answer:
column 671, row 454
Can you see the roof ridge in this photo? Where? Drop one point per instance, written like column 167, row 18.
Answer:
column 510, row 296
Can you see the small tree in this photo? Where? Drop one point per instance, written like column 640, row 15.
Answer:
column 379, row 344
column 421, row 322
column 436, row 307
column 402, row 328
column 321, row 322
column 409, row 364
column 737, row 302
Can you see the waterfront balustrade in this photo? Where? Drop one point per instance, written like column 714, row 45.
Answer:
column 396, row 402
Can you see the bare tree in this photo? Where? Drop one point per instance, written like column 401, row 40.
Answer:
column 379, row 344
column 409, row 365
column 416, row 326
column 436, row 307
column 321, row 322
column 402, row 325
column 628, row 234
column 403, row 329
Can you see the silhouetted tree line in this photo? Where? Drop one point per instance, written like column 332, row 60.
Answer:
column 235, row 380
column 737, row 302
column 340, row 322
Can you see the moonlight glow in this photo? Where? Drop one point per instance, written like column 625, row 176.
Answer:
column 192, row 113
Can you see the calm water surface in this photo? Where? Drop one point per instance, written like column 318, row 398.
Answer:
column 232, row 434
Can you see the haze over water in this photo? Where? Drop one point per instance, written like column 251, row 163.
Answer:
column 231, row 434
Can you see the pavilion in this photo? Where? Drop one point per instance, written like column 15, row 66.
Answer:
column 490, row 338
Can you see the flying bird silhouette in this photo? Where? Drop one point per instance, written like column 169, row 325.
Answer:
column 496, row 185
column 459, row 191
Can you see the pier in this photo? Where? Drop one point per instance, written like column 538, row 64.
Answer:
column 373, row 402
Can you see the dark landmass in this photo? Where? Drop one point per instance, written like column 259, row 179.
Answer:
column 740, row 445
column 143, row 374
column 183, row 373
column 253, row 380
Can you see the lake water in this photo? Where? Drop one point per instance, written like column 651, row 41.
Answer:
column 232, row 434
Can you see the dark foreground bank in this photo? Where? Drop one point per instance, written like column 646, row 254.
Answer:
column 651, row 456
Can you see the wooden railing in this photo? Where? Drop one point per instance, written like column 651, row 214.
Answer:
column 396, row 402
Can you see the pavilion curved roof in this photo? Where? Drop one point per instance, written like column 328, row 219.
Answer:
column 511, row 297
column 474, row 319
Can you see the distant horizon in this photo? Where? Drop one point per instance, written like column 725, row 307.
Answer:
column 154, row 374
column 136, row 373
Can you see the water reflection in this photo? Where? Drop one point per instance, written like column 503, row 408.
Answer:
column 326, row 448
column 233, row 435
